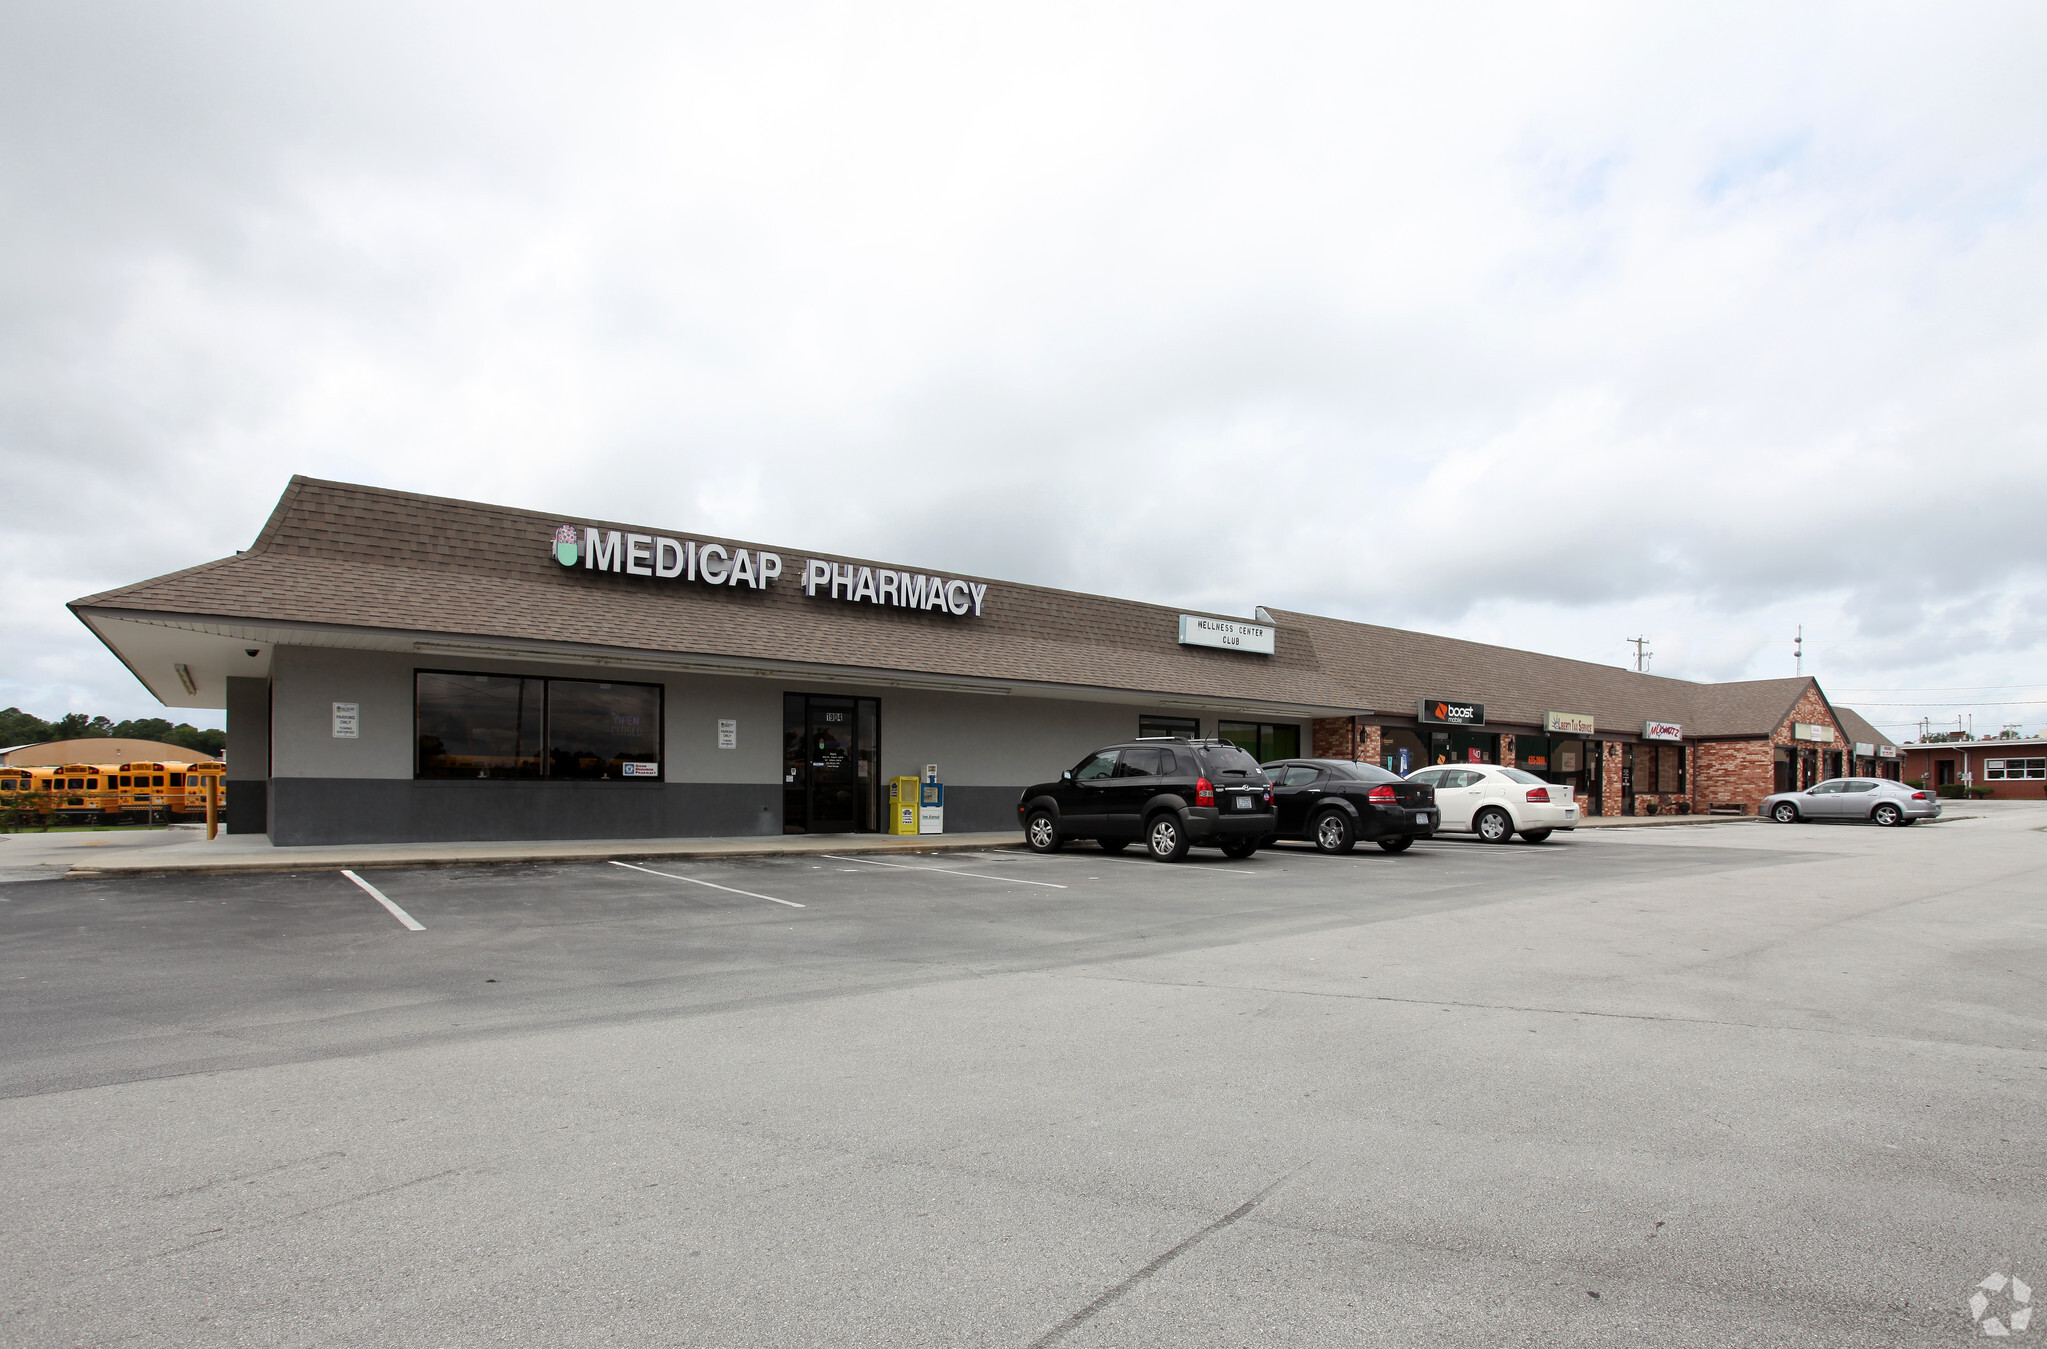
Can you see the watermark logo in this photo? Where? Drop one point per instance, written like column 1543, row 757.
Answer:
column 2001, row 1306
column 565, row 549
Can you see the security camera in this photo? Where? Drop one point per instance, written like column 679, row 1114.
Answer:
column 253, row 651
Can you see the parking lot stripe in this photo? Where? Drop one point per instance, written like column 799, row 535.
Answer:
column 948, row 871
column 665, row 875
column 385, row 900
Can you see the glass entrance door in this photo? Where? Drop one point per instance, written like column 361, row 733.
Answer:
column 830, row 768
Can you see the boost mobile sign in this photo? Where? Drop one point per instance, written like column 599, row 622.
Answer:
column 668, row 559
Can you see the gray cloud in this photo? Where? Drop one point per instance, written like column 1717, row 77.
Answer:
column 1541, row 328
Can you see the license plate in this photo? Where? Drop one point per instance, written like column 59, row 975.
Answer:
column 1421, row 817
column 1246, row 803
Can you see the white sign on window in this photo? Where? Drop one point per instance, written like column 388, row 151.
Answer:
column 347, row 721
column 1812, row 730
column 728, row 735
column 1227, row 634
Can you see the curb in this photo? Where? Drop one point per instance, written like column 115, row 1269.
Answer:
column 268, row 866
column 1657, row 821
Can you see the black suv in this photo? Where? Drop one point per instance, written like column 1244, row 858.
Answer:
column 1170, row 793
column 1332, row 803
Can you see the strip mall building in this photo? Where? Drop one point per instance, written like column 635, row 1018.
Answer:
column 397, row 667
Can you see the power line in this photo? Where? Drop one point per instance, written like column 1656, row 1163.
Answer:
column 1934, row 688
column 2035, row 702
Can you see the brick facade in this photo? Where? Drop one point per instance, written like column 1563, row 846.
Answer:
column 1716, row 772
column 1967, row 756
column 1740, row 772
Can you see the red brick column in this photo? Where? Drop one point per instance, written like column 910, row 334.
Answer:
column 1506, row 751
column 1331, row 738
column 1610, row 776
column 1339, row 738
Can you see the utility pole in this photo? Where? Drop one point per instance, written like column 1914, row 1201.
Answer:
column 1641, row 657
column 1798, row 649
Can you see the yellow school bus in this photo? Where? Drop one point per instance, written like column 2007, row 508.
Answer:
column 83, row 793
column 187, row 791
column 24, row 792
column 141, row 787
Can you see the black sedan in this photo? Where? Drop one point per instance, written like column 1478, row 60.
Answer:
column 1332, row 803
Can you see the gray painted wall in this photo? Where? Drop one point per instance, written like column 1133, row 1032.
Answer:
column 248, row 756
column 987, row 749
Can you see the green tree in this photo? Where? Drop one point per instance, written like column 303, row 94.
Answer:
column 20, row 728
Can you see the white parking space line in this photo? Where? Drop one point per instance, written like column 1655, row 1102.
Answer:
column 383, row 899
column 709, row 885
column 948, row 871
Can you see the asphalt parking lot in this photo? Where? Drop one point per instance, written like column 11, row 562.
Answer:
column 1732, row 1085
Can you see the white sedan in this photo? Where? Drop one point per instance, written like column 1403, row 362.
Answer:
column 1498, row 803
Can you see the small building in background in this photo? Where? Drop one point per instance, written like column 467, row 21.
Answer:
column 2013, row 770
column 100, row 749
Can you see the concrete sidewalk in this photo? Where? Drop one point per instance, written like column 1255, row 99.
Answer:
column 1643, row 821
column 185, row 851
column 159, row 853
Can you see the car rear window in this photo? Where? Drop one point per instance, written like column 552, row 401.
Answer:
column 1516, row 775
column 1363, row 772
column 1229, row 761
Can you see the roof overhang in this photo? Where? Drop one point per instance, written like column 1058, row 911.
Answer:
column 211, row 650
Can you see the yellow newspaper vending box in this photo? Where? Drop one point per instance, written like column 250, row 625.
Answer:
column 903, row 805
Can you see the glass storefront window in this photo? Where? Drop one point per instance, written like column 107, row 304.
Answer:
column 1670, row 768
column 1401, row 751
column 509, row 726
column 477, row 726
column 1532, row 754
column 1464, row 747
column 1149, row 726
column 602, row 731
column 1263, row 741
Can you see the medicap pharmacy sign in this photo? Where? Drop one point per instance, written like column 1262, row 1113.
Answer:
column 1227, row 634
column 669, row 559
column 1662, row 730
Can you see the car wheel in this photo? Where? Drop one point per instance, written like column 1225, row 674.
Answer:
column 1333, row 832
column 1041, row 832
column 1494, row 826
column 1888, row 815
column 1113, row 844
column 1398, row 843
column 1784, row 813
column 1535, row 835
column 1165, row 840
column 1240, row 847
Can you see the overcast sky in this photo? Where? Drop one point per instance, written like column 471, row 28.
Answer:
column 1545, row 325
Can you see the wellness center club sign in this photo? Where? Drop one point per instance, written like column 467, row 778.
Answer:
column 667, row 559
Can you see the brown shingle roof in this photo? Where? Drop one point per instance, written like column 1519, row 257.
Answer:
column 340, row 554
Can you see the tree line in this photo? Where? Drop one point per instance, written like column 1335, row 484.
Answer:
column 22, row 728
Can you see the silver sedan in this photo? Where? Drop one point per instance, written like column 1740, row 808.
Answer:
column 1878, row 799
